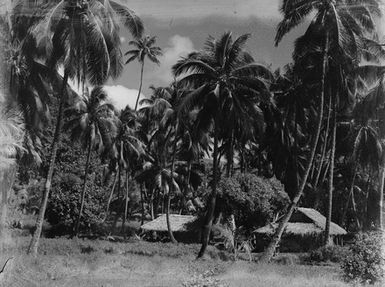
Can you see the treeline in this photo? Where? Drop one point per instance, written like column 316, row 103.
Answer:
column 316, row 124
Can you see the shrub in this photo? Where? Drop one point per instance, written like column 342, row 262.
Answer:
column 256, row 199
column 366, row 261
column 332, row 253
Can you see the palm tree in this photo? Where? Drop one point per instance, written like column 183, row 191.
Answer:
column 144, row 47
column 127, row 149
column 83, row 38
column 221, row 75
column 91, row 121
column 348, row 17
column 160, row 171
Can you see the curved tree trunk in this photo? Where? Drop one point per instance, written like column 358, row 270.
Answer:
column 140, row 86
column 269, row 252
column 206, row 230
column 32, row 249
column 327, row 240
column 83, row 195
column 172, row 238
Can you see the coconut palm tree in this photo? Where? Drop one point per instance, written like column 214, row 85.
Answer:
column 144, row 47
column 83, row 38
column 160, row 167
column 91, row 122
column 339, row 26
column 127, row 149
column 221, row 75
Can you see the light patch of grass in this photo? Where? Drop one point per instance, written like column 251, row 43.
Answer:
column 61, row 259
column 273, row 275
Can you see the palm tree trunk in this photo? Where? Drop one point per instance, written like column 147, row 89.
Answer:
column 331, row 177
column 188, row 173
column 140, row 86
column 117, row 212
column 126, row 204
column 151, row 204
column 350, row 195
column 367, row 215
column 83, row 195
column 381, row 194
column 172, row 238
column 142, row 204
column 230, row 155
column 354, row 206
column 269, row 252
column 32, row 249
column 206, row 230
column 111, row 194
column 324, row 148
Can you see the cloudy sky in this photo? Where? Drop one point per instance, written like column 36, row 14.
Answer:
column 182, row 26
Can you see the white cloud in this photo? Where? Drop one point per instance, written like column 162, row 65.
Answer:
column 178, row 46
column 123, row 40
column 121, row 96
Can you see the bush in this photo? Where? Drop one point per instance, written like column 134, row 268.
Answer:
column 366, row 261
column 256, row 199
column 332, row 253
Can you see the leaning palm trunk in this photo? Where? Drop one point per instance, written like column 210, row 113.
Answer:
column 269, row 252
column 206, row 230
column 331, row 178
column 140, row 86
column 83, row 195
column 319, row 171
column 48, row 183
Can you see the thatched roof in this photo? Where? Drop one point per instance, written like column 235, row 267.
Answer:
column 312, row 222
column 179, row 223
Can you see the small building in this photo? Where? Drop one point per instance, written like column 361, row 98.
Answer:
column 304, row 232
column 184, row 227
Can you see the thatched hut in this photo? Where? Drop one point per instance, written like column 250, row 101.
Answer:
column 185, row 227
column 303, row 232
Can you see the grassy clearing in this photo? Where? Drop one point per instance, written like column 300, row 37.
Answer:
column 78, row 262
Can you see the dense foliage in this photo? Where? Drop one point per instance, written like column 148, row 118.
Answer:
column 253, row 200
column 367, row 260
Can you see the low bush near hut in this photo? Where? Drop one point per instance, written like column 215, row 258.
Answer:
column 366, row 261
column 333, row 253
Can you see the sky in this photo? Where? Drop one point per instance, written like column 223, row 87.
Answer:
column 182, row 26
